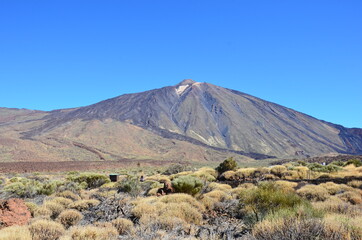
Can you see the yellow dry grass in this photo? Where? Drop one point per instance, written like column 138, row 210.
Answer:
column 218, row 186
column 82, row 205
column 286, row 185
column 15, row 233
column 93, row 233
column 313, row 192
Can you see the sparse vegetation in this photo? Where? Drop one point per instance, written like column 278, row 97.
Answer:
column 260, row 203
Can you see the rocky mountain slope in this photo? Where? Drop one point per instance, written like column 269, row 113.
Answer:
column 189, row 120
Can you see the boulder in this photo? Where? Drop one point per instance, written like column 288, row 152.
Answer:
column 13, row 212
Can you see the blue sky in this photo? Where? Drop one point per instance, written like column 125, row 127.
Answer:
column 306, row 55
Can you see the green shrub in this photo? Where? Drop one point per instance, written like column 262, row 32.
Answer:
column 23, row 187
column 338, row 163
column 93, row 180
column 130, row 185
column 227, row 165
column 355, row 162
column 187, row 184
column 267, row 198
column 316, row 167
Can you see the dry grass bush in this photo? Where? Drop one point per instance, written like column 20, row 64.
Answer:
column 54, row 207
column 229, row 175
column 355, row 184
column 219, row 195
column 293, row 228
column 270, row 177
column 351, row 197
column 15, row 233
column 206, row 173
column 42, row 212
column 335, row 205
column 45, row 230
column 69, row 217
column 210, row 199
column 334, row 188
column 313, row 192
column 158, row 178
column 123, row 225
column 208, row 202
column 302, row 171
column 182, row 198
column 181, row 206
column 218, row 186
column 104, row 194
column 278, row 170
column 152, row 191
column 343, row 226
column 110, row 185
column 176, row 175
column 31, row 206
column 285, row 185
column 82, row 205
column 68, row 194
column 65, row 202
column 245, row 172
column 93, row 233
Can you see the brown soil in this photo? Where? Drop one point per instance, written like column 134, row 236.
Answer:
column 13, row 212
column 21, row 167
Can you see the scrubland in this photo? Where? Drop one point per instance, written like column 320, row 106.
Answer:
column 295, row 200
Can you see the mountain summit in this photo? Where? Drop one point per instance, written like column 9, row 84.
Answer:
column 194, row 115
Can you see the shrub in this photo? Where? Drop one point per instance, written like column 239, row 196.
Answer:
column 266, row 198
column 176, row 168
column 355, row 162
column 206, row 173
column 285, row 185
column 351, row 196
column 69, row 217
column 130, row 185
column 93, row 233
column 289, row 228
column 82, row 205
column 181, row 198
column 229, row 175
column 31, row 206
column 227, row 165
column 218, row 186
column 68, row 194
column 65, row 202
column 15, row 233
column 278, row 170
column 42, row 212
column 355, row 184
column 54, row 207
column 334, row 188
column 21, row 190
column 313, row 192
column 343, row 227
column 93, row 180
column 187, row 184
column 177, row 208
column 316, row 167
column 123, row 225
column 44, row 230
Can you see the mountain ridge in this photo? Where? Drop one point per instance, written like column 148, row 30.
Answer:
column 211, row 117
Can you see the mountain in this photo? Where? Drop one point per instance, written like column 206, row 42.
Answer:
column 191, row 120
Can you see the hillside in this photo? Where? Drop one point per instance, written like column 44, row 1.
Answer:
column 191, row 120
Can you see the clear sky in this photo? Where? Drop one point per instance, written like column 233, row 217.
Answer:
column 306, row 55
